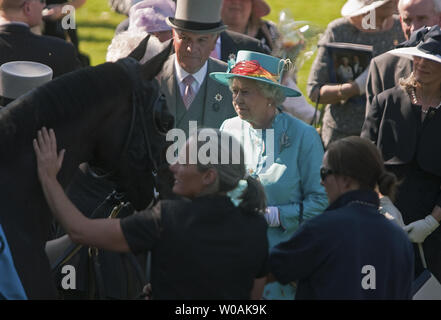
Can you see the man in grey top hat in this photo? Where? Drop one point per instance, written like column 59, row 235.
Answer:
column 17, row 42
column 191, row 95
column 386, row 69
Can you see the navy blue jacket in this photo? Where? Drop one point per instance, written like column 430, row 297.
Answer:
column 351, row 251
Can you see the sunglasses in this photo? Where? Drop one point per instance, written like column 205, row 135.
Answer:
column 325, row 172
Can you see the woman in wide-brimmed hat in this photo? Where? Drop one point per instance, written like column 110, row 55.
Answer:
column 346, row 102
column 245, row 16
column 282, row 151
column 405, row 123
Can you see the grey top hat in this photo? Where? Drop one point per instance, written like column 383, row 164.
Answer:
column 19, row 77
column 197, row 16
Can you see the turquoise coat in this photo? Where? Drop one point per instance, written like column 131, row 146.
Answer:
column 288, row 166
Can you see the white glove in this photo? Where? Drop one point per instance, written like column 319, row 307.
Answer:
column 420, row 229
column 272, row 216
column 361, row 81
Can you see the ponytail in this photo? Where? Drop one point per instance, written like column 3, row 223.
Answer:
column 387, row 184
column 253, row 198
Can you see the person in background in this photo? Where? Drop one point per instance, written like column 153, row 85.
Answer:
column 344, row 71
column 149, row 15
column 53, row 16
column 386, row 70
column 281, row 151
column 227, row 44
column 18, row 43
column 345, row 110
column 206, row 246
column 407, row 133
column 245, row 16
column 350, row 251
column 146, row 18
column 190, row 93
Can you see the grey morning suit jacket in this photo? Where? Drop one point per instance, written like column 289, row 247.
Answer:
column 212, row 104
column 385, row 72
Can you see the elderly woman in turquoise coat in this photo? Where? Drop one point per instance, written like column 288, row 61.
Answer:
column 283, row 152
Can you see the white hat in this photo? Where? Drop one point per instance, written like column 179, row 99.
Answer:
column 409, row 53
column 353, row 8
column 19, row 77
column 428, row 48
column 197, row 16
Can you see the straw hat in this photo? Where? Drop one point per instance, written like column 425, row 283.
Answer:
column 353, row 8
column 259, row 67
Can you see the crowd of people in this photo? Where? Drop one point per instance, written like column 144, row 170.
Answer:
column 304, row 213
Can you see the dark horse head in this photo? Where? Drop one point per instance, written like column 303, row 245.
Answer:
column 102, row 115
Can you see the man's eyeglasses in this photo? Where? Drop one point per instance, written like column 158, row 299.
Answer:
column 325, row 172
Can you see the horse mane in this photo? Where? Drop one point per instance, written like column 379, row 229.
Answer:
column 65, row 99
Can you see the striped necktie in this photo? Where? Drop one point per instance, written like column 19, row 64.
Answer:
column 188, row 91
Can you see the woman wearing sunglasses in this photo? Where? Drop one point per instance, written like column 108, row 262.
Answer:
column 351, row 251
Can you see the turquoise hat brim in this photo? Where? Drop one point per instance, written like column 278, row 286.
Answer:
column 223, row 77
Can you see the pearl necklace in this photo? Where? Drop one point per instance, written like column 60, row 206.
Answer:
column 415, row 101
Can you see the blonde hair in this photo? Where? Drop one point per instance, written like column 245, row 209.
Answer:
column 410, row 83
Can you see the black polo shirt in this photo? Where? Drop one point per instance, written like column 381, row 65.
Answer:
column 201, row 249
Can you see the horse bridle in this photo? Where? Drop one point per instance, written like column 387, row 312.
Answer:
column 138, row 97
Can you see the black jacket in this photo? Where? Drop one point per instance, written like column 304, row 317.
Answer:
column 394, row 125
column 18, row 43
column 232, row 42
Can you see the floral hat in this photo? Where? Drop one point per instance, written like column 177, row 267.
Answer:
column 150, row 15
column 257, row 66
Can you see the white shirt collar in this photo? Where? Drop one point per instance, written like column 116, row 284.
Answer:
column 199, row 76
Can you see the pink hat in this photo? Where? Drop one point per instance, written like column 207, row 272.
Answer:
column 260, row 8
column 149, row 15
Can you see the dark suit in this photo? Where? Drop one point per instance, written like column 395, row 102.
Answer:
column 17, row 42
column 232, row 42
column 217, row 103
column 412, row 151
column 385, row 72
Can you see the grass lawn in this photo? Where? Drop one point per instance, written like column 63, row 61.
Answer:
column 96, row 24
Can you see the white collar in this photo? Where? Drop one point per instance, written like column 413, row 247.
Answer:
column 199, row 76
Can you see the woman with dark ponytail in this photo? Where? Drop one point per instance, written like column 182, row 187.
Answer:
column 350, row 251
column 211, row 245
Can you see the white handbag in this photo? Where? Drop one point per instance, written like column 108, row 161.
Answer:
column 426, row 286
